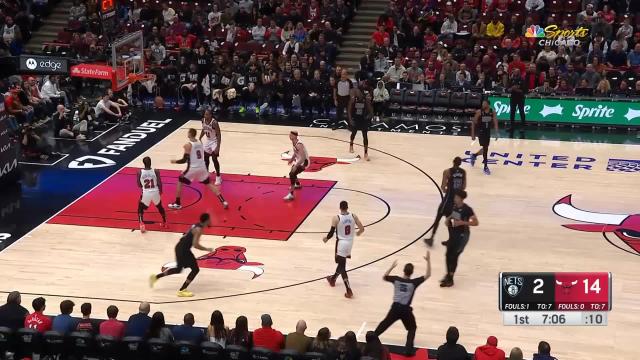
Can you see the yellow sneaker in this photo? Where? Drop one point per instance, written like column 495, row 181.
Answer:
column 152, row 280
column 185, row 293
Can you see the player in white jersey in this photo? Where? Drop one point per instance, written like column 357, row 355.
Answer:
column 212, row 138
column 299, row 161
column 343, row 225
column 196, row 170
column 151, row 184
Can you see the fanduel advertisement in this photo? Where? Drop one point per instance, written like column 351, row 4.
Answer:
column 8, row 153
column 43, row 65
column 614, row 113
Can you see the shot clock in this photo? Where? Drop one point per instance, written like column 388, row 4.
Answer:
column 564, row 298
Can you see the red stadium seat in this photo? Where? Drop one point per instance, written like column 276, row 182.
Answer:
column 570, row 18
column 556, row 6
column 573, row 6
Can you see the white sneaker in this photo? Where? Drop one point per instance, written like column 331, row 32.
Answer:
column 297, row 186
column 218, row 180
column 289, row 197
column 225, row 205
column 175, row 206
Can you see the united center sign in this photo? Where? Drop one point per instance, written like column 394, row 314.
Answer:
column 614, row 113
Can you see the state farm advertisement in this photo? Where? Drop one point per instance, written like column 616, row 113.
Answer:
column 92, row 71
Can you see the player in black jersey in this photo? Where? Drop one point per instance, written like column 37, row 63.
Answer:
column 360, row 112
column 484, row 119
column 454, row 178
column 184, row 256
column 461, row 218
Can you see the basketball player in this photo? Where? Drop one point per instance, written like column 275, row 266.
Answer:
column 184, row 256
column 213, row 137
column 403, row 290
column 484, row 119
column 454, row 178
column 299, row 161
column 151, row 184
column 462, row 216
column 360, row 112
column 196, row 170
column 343, row 225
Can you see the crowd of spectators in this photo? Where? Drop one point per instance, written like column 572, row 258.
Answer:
column 18, row 19
column 478, row 44
column 13, row 316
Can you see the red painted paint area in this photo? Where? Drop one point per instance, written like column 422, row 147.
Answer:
column 256, row 209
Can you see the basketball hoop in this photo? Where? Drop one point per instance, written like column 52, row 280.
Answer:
column 144, row 77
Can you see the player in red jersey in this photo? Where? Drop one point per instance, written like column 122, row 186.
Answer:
column 38, row 320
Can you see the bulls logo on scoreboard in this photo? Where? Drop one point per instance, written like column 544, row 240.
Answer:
column 513, row 285
column 566, row 286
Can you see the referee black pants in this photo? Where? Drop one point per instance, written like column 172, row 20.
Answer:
column 341, row 109
column 516, row 102
column 403, row 313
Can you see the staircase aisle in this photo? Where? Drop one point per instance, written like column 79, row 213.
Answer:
column 358, row 38
column 51, row 25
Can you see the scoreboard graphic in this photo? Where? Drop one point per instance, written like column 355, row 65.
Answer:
column 563, row 298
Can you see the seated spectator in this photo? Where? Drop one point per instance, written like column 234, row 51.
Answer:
column 15, row 107
column 158, row 52
column 544, row 352
column 587, row 15
column 168, row 14
column 297, row 340
column 258, row 32
column 626, row 30
column 490, row 351
column 563, row 88
column 534, row 5
column 515, row 354
column 461, row 82
column 273, row 33
column 217, row 332
column 591, row 76
column 449, row 28
column 322, row 343
column 583, row 88
column 603, row 89
column 380, row 98
column 37, row 320
column 495, row 28
column 378, row 36
column 414, row 71
column 240, row 335
column 107, row 111
column 348, row 347
column 544, row 89
column 158, row 329
column 636, row 92
column 395, row 72
column 86, row 323
column 634, row 57
column 78, row 11
column 300, row 33
column 616, row 58
column 186, row 331
column 466, row 14
column 12, row 314
column 267, row 337
column 65, row 126
column 50, row 91
column 451, row 350
column 607, row 14
column 547, row 54
column 138, row 324
column 10, row 31
column 112, row 327
column 373, row 347
column 622, row 90
column 64, row 323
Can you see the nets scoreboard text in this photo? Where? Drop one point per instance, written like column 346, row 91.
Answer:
column 564, row 298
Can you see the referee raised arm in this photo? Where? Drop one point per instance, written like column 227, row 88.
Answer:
column 403, row 290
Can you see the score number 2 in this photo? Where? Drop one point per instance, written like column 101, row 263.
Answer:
column 537, row 286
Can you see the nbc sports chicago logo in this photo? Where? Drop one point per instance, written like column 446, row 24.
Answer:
column 552, row 35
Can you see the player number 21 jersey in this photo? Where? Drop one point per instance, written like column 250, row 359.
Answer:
column 149, row 180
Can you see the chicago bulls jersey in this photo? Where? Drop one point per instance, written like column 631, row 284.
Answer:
column 149, row 180
column 345, row 234
column 196, row 157
column 209, row 133
column 300, row 156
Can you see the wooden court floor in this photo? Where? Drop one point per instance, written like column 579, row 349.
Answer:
column 396, row 191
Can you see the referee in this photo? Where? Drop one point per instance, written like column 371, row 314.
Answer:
column 342, row 96
column 403, row 290
column 518, row 89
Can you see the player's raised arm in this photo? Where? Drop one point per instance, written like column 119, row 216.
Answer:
column 359, row 224
column 393, row 266
column 334, row 224
column 185, row 156
column 197, row 233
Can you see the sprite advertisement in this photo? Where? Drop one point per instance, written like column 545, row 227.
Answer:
column 570, row 111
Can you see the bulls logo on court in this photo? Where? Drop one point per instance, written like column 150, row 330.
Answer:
column 318, row 163
column 513, row 285
column 625, row 227
column 226, row 258
column 565, row 286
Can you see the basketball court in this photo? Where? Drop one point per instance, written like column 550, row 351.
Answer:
column 270, row 256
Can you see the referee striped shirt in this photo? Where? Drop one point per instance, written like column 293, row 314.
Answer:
column 404, row 289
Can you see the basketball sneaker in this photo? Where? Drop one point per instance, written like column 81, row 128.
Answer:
column 225, row 205
column 218, row 180
column 185, row 293
column 348, row 294
column 331, row 281
column 175, row 206
column 487, row 171
column 472, row 160
column 429, row 241
column 289, row 197
column 152, row 280
column 143, row 229
column 297, row 186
